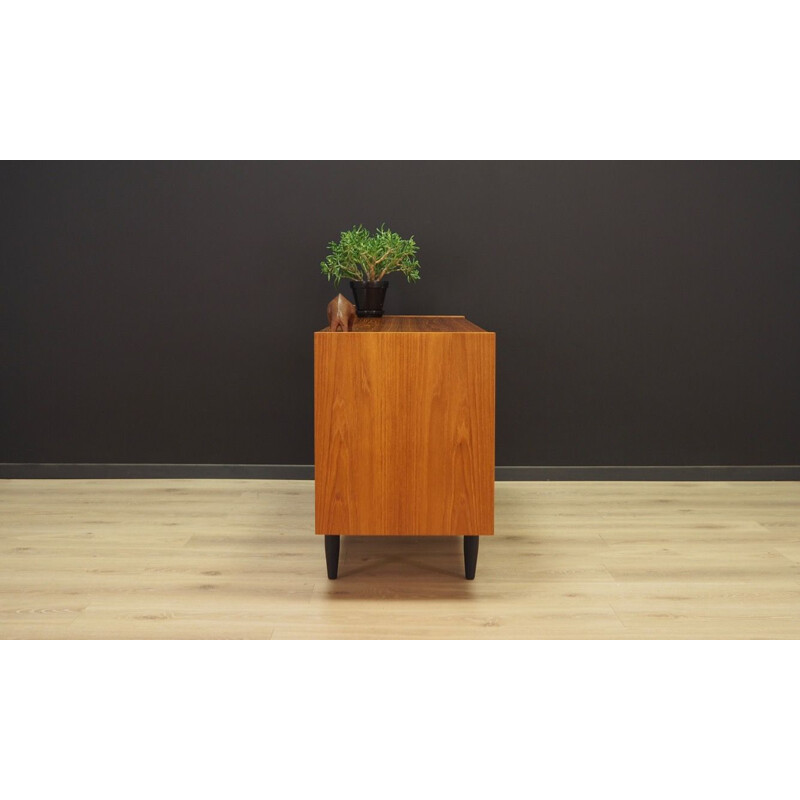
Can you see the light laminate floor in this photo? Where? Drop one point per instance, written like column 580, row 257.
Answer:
column 146, row 559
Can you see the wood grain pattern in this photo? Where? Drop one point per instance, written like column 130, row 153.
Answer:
column 404, row 434
column 413, row 324
column 175, row 559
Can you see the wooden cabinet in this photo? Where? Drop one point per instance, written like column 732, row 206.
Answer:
column 404, row 431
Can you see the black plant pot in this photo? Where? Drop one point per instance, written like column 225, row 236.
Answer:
column 369, row 297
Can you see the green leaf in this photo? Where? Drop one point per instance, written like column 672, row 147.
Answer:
column 361, row 256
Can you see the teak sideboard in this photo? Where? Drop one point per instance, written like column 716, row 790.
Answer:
column 404, row 411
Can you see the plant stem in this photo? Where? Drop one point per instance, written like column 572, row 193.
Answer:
column 394, row 263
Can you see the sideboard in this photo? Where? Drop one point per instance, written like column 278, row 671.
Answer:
column 404, row 418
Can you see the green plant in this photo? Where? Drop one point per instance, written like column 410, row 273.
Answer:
column 364, row 257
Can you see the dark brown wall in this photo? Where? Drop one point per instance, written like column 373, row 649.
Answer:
column 647, row 313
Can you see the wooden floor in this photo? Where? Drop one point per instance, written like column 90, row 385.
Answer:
column 147, row 559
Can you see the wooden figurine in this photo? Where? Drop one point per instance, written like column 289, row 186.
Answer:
column 341, row 314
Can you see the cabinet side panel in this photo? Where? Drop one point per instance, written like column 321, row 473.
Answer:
column 404, row 434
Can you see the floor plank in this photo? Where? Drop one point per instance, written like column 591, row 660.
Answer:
column 202, row 559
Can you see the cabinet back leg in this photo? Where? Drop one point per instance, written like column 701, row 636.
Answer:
column 470, row 556
column 332, row 556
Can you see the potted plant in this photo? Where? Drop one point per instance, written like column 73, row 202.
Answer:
column 367, row 259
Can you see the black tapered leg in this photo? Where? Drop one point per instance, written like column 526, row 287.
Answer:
column 332, row 556
column 470, row 556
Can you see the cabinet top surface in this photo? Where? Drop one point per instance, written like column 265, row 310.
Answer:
column 391, row 323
